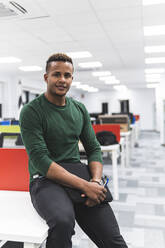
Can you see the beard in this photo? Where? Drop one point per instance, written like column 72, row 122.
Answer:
column 58, row 93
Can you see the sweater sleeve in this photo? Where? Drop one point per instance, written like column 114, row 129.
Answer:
column 88, row 139
column 33, row 138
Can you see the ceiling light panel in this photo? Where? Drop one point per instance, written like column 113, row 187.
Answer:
column 93, row 89
column 9, row 60
column 154, row 70
column 75, row 83
column 152, row 2
column 152, row 75
column 30, row 68
column 120, row 87
column 154, row 30
column 112, row 82
column 152, row 80
column 95, row 64
column 154, row 49
column 107, row 78
column 86, row 87
column 79, row 55
column 155, row 60
column 152, row 85
column 101, row 73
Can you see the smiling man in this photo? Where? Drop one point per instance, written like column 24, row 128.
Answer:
column 51, row 127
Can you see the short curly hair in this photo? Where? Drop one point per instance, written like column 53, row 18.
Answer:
column 58, row 57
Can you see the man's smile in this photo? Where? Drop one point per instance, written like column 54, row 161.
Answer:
column 60, row 87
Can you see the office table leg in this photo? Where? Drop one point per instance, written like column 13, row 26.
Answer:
column 31, row 245
column 123, row 162
column 127, row 152
column 132, row 138
column 115, row 175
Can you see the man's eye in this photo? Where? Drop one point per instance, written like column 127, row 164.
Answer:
column 56, row 74
column 67, row 75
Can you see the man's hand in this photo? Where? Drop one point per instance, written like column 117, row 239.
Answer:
column 95, row 193
column 90, row 203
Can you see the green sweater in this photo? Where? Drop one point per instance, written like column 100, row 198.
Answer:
column 51, row 133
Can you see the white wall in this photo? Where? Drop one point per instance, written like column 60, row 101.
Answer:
column 10, row 91
column 141, row 102
column 1, row 84
column 9, row 97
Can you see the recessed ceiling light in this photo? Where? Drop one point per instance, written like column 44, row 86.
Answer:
column 154, row 30
column 107, row 78
column 93, row 89
column 152, row 85
column 9, row 60
column 82, row 86
column 112, row 82
column 86, row 87
column 101, row 73
column 154, row 49
column 153, row 76
column 30, row 68
column 75, row 83
column 152, row 80
column 90, row 64
column 78, row 55
column 120, row 87
column 152, row 2
column 155, row 70
column 155, row 60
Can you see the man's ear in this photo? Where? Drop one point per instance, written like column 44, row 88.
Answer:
column 46, row 77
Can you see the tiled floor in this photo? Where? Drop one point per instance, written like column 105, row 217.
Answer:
column 141, row 208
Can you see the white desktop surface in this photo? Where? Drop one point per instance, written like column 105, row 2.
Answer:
column 124, row 134
column 109, row 148
column 18, row 219
column 103, row 148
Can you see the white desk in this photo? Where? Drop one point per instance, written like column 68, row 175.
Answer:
column 111, row 149
column 127, row 136
column 19, row 221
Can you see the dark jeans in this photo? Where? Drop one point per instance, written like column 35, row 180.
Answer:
column 54, row 205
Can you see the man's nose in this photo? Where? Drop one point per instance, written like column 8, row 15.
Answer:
column 62, row 78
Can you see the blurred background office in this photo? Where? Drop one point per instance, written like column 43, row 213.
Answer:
column 118, row 51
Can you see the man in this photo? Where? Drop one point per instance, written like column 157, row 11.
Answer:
column 51, row 127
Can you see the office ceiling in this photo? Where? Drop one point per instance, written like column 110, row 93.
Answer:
column 111, row 30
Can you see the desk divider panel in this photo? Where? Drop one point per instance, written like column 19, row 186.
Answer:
column 10, row 129
column 14, row 173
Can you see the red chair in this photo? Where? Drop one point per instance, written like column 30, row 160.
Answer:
column 14, row 173
column 114, row 128
column 137, row 117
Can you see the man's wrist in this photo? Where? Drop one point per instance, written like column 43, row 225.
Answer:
column 96, row 180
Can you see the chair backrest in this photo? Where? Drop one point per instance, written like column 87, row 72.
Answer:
column 137, row 117
column 114, row 128
column 14, row 173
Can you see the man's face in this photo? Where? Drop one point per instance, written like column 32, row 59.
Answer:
column 59, row 78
